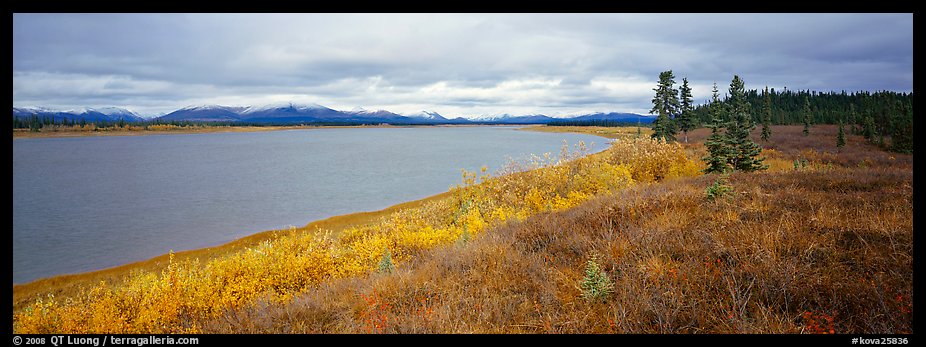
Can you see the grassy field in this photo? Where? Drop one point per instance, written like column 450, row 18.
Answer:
column 608, row 132
column 821, row 249
column 824, row 246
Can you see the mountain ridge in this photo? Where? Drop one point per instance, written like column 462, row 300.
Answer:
column 109, row 114
column 297, row 113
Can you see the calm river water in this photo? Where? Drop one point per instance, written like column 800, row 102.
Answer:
column 88, row 203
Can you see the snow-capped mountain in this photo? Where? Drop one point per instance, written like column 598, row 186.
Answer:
column 111, row 114
column 271, row 113
column 290, row 113
column 115, row 112
column 294, row 113
column 490, row 117
column 613, row 117
column 235, row 109
column 204, row 113
column 505, row 118
column 28, row 111
column 288, row 106
column 428, row 115
column 383, row 114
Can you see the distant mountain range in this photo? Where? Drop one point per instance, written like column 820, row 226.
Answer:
column 290, row 113
column 111, row 114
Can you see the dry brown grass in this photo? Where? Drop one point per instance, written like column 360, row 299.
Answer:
column 608, row 132
column 788, row 143
column 824, row 249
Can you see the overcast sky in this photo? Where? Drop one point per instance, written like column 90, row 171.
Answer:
column 455, row 64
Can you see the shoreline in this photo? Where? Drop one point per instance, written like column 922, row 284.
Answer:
column 197, row 130
column 25, row 134
column 64, row 283
column 23, row 292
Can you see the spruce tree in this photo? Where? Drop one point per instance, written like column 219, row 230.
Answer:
column 686, row 118
column 807, row 116
column 385, row 263
column 745, row 152
column 718, row 148
column 853, row 120
column 868, row 128
column 767, row 116
column 596, row 285
column 34, row 123
column 665, row 106
column 841, row 136
column 902, row 134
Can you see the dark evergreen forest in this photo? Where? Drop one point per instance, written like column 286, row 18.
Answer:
column 864, row 113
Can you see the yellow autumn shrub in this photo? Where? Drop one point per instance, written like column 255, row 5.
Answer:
column 187, row 292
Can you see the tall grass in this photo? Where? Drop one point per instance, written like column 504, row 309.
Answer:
column 187, row 293
column 830, row 253
column 827, row 248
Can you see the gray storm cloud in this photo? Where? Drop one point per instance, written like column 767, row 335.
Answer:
column 456, row 64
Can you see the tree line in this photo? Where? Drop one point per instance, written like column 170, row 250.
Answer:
column 873, row 115
column 36, row 123
column 594, row 123
column 791, row 107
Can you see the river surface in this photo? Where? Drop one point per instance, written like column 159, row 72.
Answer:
column 88, row 203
